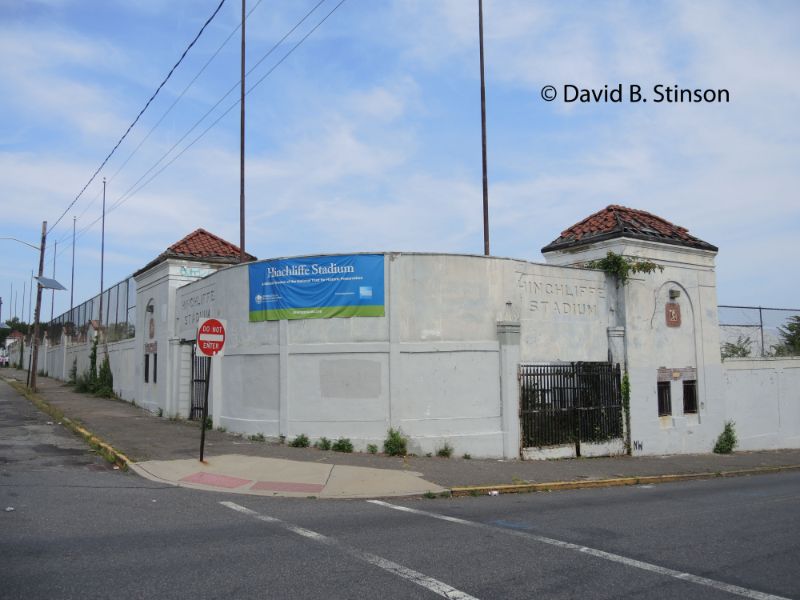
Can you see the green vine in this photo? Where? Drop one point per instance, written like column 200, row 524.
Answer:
column 622, row 267
column 625, row 388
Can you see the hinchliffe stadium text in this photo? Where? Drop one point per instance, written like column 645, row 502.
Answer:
column 670, row 94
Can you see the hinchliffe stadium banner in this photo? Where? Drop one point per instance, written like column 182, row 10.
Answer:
column 317, row 287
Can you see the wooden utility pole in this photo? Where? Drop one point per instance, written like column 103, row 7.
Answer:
column 37, row 312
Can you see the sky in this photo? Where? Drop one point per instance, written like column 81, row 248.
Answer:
column 367, row 136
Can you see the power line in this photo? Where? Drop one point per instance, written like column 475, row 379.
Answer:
column 164, row 116
column 186, row 89
column 141, row 112
column 133, row 190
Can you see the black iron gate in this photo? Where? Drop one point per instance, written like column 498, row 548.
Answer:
column 570, row 403
column 200, row 365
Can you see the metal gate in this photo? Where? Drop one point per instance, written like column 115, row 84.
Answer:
column 570, row 403
column 200, row 365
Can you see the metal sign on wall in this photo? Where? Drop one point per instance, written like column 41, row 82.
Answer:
column 317, row 287
column 673, row 314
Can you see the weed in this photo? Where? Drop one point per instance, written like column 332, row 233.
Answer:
column 160, row 412
column 323, row 443
column 395, row 443
column 301, row 441
column 726, row 441
column 372, row 448
column 73, row 372
column 342, row 445
column 445, row 494
column 474, row 493
column 445, row 451
column 210, row 425
column 467, row 456
column 429, row 495
column 429, row 454
column 222, row 429
column 257, row 437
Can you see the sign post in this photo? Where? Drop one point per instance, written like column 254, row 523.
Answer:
column 210, row 343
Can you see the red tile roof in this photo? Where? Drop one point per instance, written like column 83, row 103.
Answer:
column 200, row 245
column 616, row 221
column 204, row 244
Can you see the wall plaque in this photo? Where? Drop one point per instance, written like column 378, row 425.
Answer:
column 673, row 314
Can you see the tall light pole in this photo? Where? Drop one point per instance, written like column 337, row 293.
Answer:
column 102, row 254
column 53, row 292
column 241, row 150
column 483, row 137
column 72, row 278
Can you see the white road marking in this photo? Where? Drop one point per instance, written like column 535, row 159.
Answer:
column 645, row 566
column 429, row 583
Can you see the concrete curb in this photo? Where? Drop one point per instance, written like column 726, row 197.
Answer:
column 553, row 486
column 105, row 449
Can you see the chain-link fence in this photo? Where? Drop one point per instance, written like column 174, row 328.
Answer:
column 758, row 331
column 118, row 319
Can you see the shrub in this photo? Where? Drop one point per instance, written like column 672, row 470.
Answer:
column 301, row 441
column 257, row 437
column 342, row 445
column 395, row 443
column 372, row 448
column 323, row 443
column 741, row 348
column 73, row 372
column 467, row 456
column 726, row 441
column 445, row 451
column 104, row 384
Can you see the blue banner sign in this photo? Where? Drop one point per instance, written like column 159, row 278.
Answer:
column 317, row 287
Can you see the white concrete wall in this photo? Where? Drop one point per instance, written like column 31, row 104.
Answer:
column 649, row 344
column 431, row 366
column 121, row 358
column 763, row 399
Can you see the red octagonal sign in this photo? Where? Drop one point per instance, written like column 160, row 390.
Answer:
column 210, row 337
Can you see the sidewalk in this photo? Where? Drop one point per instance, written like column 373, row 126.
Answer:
column 167, row 451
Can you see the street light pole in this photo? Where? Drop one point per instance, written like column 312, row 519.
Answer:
column 102, row 255
column 242, row 254
column 35, row 342
column 483, row 137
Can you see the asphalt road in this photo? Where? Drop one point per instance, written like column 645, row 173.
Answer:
column 80, row 529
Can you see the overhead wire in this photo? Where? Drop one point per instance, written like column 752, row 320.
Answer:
column 164, row 116
column 186, row 89
column 133, row 190
column 130, row 190
column 141, row 112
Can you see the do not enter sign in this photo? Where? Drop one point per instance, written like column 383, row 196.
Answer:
column 211, row 337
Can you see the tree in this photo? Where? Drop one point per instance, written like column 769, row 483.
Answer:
column 741, row 348
column 790, row 338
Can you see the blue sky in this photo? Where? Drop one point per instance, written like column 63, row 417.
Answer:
column 367, row 137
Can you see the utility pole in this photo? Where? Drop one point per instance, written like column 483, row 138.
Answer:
column 24, row 291
column 53, row 292
column 483, row 137
column 102, row 253
column 72, row 280
column 35, row 342
column 241, row 151
column 30, row 297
